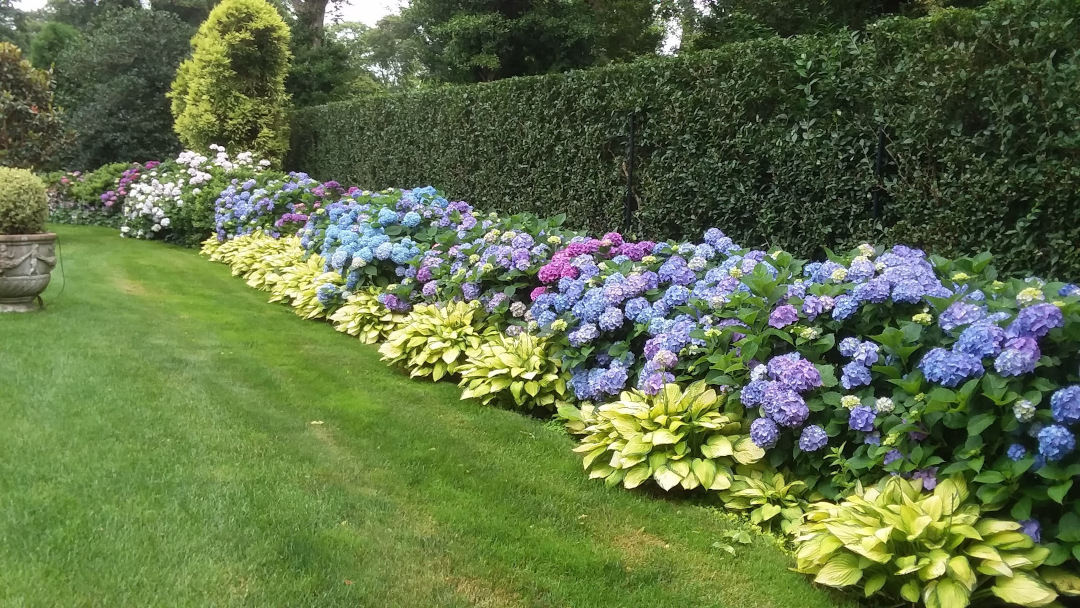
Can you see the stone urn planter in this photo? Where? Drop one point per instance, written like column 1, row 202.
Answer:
column 26, row 263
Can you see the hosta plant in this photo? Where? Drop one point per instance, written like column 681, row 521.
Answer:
column 897, row 540
column 516, row 369
column 676, row 437
column 433, row 339
column 364, row 317
column 299, row 285
column 769, row 496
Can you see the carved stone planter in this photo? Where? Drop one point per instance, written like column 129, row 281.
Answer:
column 26, row 263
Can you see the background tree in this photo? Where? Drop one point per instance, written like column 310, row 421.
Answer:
column 386, row 54
column 50, row 41
column 115, row 81
column 31, row 129
column 193, row 12
column 81, row 13
column 12, row 24
column 231, row 92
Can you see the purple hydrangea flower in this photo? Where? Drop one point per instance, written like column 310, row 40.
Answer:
column 1032, row 528
column 783, row 316
column 959, row 314
column 1036, row 321
column 928, row 477
column 855, row 375
column 981, row 339
column 1019, row 357
column 892, row 456
column 1016, row 452
column 764, row 433
column 796, row 373
column 1065, row 405
column 753, row 393
column 950, row 368
column 813, row 438
column 861, row 418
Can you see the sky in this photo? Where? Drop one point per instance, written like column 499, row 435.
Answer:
column 365, row 11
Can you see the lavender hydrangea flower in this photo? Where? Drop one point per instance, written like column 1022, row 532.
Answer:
column 928, row 477
column 959, row 314
column 861, row 418
column 813, row 438
column 611, row 319
column 764, row 433
column 1065, row 405
column 783, row 316
column 892, row 456
column 1019, row 357
column 796, row 373
column 1036, row 321
column 1032, row 528
column 753, row 393
column 1056, row 442
column 844, row 307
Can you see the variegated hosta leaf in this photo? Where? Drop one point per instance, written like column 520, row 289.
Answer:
column 917, row 547
column 514, row 369
column 433, row 339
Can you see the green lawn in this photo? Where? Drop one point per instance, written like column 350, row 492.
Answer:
column 158, row 447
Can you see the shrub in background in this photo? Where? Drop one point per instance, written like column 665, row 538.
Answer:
column 23, row 204
column 775, row 140
column 31, row 129
column 231, row 92
column 113, row 83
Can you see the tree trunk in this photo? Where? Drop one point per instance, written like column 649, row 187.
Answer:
column 310, row 15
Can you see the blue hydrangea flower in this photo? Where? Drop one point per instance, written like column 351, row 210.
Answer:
column 411, row 219
column 950, row 368
column 764, row 433
column 753, row 393
column 1056, row 442
column 785, row 406
column 855, row 375
column 387, row 216
column 981, row 339
column 583, row 335
column 844, row 307
column 1065, row 405
column 796, row 373
column 1016, row 452
column 1032, row 528
column 892, row 456
column 813, row 438
column 861, row 418
column 384, row 251
column 848, row 346
column 1036, row 321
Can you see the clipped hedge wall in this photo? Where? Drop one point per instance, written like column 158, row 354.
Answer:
column 774, row 140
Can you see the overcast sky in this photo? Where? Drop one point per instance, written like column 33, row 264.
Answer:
column 365, row 11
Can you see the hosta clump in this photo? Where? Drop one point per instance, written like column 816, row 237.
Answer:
column 299, row 286
column 934, row 548
column 676, row 437
column 366, row 318
column 434, row 339
column 769, row 496
column 516, row 369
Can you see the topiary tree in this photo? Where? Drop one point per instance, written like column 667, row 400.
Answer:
column 231, row 92
column 23, row 203
column 31, row 130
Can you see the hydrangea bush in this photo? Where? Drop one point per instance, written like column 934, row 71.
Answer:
column 827, row 377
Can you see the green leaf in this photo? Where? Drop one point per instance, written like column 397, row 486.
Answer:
column 841, row 570
column 1024, row 589
column 1057, row 492
column 1069, row 527
column 978, row 424
column 946, row 593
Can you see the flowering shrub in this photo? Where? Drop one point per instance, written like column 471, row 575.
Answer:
column 827, row 376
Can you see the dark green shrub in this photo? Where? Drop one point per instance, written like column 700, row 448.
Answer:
column 114, row 82
column 31, row 129
column 23, row 205
column 231, row 92
column 773, row 140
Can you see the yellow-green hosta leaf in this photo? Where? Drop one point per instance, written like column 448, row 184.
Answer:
column 993, row 567
column 664, row 437
column 946, row 593
column 636, row 476
column 718, row 446
column 910, row 591
column 747, row 452
column 938, row 561
column 1064, row 581
column 704, row 470
column 1023, row 589
column 666, row 478
column 959, row 570
column 841, row 570
column 874, row 584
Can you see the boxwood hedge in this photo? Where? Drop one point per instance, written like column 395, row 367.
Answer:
column 775, row 140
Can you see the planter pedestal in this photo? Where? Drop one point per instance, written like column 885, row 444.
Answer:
column 26, row 263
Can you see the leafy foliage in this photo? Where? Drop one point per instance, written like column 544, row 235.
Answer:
column 676, row 437
column 933, row 548
column 434, row 339
column 231, row 92
column 768, row 496
column 31, row 129
column 114, row 82
column 23, row 205
column 518, row 370
column 365, row 317
column 50, row 42
column 977, row 119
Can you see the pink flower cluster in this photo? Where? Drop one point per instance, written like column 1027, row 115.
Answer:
column 610, row 245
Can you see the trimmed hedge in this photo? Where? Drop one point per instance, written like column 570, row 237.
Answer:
column 776, row 140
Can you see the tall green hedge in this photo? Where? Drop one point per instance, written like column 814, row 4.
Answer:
column 774, row 141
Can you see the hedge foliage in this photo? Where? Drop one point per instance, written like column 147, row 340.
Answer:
column 776, row 140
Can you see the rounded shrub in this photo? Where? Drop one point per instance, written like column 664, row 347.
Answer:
column 23, row 203
column 231, row 92
column 31, row 129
